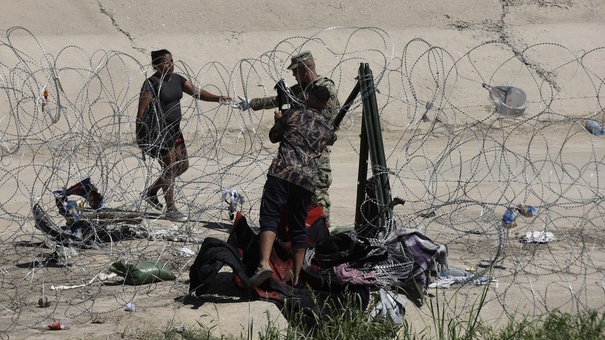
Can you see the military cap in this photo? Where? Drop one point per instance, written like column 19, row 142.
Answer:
column 299, row 58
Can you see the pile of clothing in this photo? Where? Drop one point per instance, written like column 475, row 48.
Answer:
column 337, row 267
column 79, row 231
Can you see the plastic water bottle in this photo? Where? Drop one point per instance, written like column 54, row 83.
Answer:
column 63, row 323
column 509, row 219
column 594, row 128
column 509, row 216
column 526, row 210
column 130, row 307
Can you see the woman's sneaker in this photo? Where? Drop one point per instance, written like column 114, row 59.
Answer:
column 153, row 201
column 175, row 215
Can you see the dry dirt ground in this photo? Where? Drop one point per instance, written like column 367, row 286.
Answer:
column 566, row 274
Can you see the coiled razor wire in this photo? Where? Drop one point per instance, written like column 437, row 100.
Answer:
column 451, row 157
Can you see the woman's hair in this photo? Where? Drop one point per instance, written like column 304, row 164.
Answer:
column 156, row 56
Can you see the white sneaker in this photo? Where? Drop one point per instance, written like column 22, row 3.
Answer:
column 175, row 215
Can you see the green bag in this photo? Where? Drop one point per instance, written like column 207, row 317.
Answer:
column 142, row 273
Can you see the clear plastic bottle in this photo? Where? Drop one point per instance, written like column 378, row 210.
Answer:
column 594, row 128
column 130, row 307
column 63, row 323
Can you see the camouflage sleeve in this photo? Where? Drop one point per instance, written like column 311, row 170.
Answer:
column 277, row 130
column 329, row 113
column 263, row 103
column 271, row 102
column 333, row 105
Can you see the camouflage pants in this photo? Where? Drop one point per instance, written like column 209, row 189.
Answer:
column 322, row 184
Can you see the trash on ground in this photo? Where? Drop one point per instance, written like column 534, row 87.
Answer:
column 142, row 273
column 510, row 101
column 537, row 237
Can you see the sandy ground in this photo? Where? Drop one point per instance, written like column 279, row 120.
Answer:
column 467, row 167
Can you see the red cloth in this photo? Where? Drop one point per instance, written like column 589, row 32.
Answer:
column 281, row 259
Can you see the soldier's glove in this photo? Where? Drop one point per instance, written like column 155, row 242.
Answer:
column 244, row 104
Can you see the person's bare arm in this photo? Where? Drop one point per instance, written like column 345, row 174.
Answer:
column 144, row 101
column 201, row 94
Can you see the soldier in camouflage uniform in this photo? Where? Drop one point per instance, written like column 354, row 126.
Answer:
column 303, row 69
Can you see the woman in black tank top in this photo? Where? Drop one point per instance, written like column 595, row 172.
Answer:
column 169, row 88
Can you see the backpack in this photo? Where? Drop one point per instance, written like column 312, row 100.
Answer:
column 149, row 136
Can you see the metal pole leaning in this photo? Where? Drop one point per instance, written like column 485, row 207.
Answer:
column 364, row 146
column 345, row 107
column 379, row 161
column 362, row 174
column 371, row 140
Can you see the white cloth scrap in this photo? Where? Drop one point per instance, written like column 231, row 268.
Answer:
column 447, row 282
column 391, row 305
column 537, row 237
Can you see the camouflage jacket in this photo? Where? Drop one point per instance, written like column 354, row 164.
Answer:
column 302, row 135
column 298, row 102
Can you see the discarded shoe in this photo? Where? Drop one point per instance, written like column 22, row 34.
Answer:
column 260, row 276
column 153, row 201
column 175, row 215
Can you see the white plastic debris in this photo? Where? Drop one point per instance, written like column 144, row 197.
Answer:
column 510, row 101
column 537, row 237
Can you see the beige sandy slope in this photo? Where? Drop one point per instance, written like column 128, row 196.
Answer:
column 230, row 31
column 226, row 32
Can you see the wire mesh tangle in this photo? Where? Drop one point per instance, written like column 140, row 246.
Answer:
column 458, row 164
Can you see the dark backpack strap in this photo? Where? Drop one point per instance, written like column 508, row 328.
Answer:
column 154, row 82
column 154, row 87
